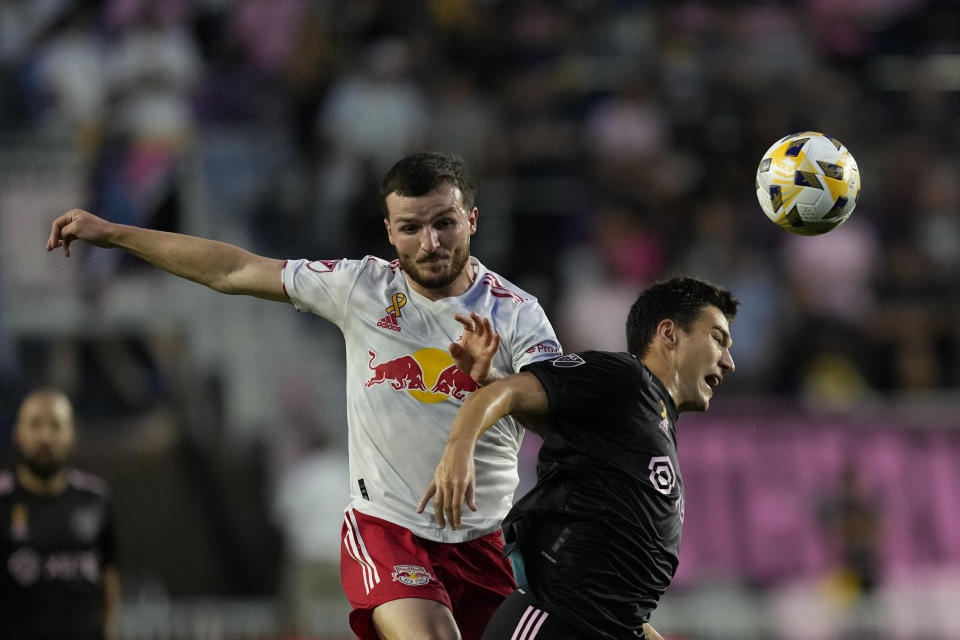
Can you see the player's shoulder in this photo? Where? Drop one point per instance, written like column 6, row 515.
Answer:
column 7, row 483
column 86, row 482
column 619, row 360
column 495, row 285
column 598, row 364
column 366, row 264
column 374, row 269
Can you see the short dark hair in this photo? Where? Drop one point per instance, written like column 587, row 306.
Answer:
column 421, row 173
column 678, row 299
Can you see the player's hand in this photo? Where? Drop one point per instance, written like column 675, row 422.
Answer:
column 78, row 224
column 650, row 632
column 473, row 353
column 453, row 484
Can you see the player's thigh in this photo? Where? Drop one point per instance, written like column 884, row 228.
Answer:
column 414, row 619
column 522, row 616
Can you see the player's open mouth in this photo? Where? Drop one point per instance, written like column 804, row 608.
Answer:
column 713, row 380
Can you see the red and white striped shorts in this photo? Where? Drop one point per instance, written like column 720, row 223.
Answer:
column 381, row 561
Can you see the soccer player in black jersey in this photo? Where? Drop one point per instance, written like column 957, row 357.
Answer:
column 58, row 575
column 595, row 543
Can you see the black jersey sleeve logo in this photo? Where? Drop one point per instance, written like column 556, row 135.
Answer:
column 662, row 475
column 569, row 360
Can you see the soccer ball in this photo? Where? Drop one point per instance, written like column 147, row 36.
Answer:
column 808, row 183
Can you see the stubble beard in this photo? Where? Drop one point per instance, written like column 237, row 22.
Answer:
column 416, row 272
column 45, row 467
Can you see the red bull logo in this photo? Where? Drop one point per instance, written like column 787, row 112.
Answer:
column 429, row 375
column 453, row 382
column 402, row 373
column 411, row 574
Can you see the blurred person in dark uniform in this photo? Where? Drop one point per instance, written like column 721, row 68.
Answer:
column 58, row 573
column 594, row 545
column 851, row 519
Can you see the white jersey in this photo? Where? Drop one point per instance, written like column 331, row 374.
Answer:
column 403, row 389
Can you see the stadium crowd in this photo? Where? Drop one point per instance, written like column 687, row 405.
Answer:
column 615, row 143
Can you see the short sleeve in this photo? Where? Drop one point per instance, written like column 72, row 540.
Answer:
column 587, row 382
column 536, row 339
column 321, row 286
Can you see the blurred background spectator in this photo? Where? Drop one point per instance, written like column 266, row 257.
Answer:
column 614, row 142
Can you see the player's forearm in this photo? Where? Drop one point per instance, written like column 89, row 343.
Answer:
column 218, row 265
column 480, row 411
column 536, row 423
column 520, row 393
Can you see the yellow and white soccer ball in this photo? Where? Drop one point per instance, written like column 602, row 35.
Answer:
column 808, row 183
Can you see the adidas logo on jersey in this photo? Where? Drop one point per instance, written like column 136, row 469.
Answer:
column 389, row 321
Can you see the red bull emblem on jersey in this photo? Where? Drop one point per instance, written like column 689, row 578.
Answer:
column 411, row 574
column 429, row 375
column 402, row 373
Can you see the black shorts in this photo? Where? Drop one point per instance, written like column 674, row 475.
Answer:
column 522, row 617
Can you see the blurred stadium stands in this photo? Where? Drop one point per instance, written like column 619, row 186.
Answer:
column 614, row 142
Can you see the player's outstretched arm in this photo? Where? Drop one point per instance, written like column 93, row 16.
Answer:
column 455, row 477
column 218, row 265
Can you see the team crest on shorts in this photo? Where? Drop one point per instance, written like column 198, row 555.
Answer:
column 411, row 574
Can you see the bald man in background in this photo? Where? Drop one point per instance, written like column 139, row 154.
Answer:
column 58, row 572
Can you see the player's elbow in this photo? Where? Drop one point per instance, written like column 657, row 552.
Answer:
column 227, row 285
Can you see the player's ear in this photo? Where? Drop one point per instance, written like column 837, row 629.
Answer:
column 472, row 217
column 386, row 223
column 668, row 333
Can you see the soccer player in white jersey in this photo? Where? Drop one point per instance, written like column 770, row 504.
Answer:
column 412, row 327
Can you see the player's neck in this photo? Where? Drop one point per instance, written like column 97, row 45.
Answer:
column 39, row 485
column 666, row 373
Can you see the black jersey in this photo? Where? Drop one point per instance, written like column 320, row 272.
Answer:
column 53, row 551
column 600, row 531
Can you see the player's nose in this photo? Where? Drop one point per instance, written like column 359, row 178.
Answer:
column 429, row 239
column 726, row 362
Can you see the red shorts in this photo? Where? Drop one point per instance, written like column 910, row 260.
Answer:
column 381, row 561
